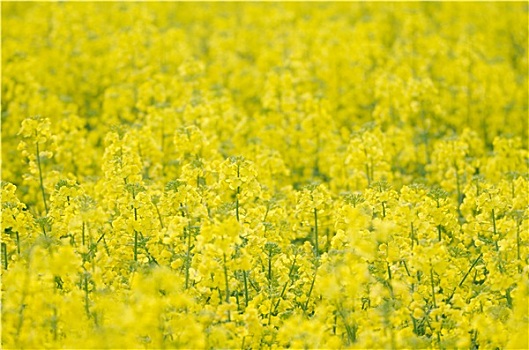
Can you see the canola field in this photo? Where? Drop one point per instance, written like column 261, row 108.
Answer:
column 265, row 175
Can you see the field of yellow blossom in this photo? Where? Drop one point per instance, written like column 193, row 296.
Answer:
column 265, row 175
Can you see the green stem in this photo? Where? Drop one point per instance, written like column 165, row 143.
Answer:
column 54, row 323
column 4, row 255
column 18, row 241
column 433, row 286
column 494, row 229
column 286, row 283
column 43, row 229
column 518, row 245
column 470, row 269
column 465, row 276
column 86, row 298
column 41, row 181
column 237, row 206
column 82, row 233
column 270, row 314
column 159, row 216
column 367, row 175
column 270, row 270
column 246, row 299
column 310, row 290
column 412, row 234
column 237, row 194
column 459, row 194
column 406, row 268
column 351, row 331
column 135, row 245
column 316, row 248
column 226, row 280
column 188, row 256
column 135, row 232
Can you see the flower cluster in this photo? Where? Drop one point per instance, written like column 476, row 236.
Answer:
column 329, row 175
